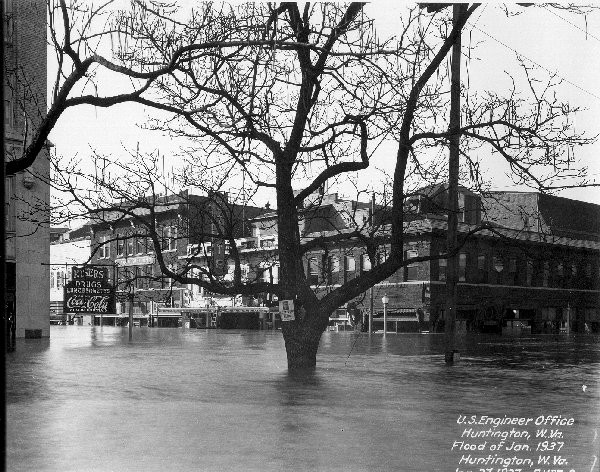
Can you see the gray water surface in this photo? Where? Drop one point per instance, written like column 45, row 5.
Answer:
column 208, row 400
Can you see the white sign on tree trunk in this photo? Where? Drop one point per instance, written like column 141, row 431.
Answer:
column 286, row 310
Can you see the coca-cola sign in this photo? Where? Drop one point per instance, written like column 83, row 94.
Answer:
column 89, row 291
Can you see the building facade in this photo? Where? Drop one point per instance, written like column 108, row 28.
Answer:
column 67, row 250
column 27, row 192
column 526, row 267
column 182, row 225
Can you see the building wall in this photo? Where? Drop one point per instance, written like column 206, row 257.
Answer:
column 63, row 254
column 28, row 244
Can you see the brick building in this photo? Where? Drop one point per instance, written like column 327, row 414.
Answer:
column 184, row 223
column 536, row 269
column 531, row 268
column 27, row 192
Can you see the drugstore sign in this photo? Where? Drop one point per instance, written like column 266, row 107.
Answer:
column 89, row 291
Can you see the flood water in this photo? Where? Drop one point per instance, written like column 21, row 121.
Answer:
column 87, row 399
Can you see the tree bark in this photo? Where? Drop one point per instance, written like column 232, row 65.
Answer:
column 302, row 337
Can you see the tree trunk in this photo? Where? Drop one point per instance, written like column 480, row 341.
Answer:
column 302, row 339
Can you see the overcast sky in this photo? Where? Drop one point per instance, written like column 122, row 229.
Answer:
column 555, row 40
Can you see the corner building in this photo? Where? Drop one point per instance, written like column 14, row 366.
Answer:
column 27, row 192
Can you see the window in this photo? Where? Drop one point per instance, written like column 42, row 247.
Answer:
column 349, row 268
column 169, row 240
column 140, row 245
column 411, row 271
column 130, row 246
column 512, row 271
column 313, row 271
column 546, row 274
column 144, row 273
column 60, row 279
column 52, row 279
column 442, row 263
column 271, row 273
column 365, row 263
column 529, row 273
column 482, row 268
column 149, row 245
column 558, row 275
column 498, row 269
column 104, row 251
column 10, row 207
column 8, row 21
column 333, row 273
column 120, row 247
column 462, row 267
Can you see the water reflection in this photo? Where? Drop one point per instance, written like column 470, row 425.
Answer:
column 175, row 399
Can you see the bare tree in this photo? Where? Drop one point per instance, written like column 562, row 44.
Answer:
column 287, row 97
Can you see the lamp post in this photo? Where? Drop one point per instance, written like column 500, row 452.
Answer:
column 385, row 300
column 131, row 298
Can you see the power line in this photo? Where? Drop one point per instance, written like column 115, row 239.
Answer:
column 537, row 64
column 587, row 33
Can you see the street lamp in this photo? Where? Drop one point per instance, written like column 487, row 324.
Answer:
column 385, row 300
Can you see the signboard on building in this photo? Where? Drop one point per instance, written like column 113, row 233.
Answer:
column 89, row 291
column 286, row 310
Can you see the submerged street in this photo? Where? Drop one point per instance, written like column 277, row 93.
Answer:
column 177, row 399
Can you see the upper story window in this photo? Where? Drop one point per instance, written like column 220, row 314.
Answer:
column 313, row 271
column 333, row 273
column 442, row 263
column 462, row 267
column 120, row 247
column 365, row 263
column 169, row 239
column 8, row 21
column 482, row 268
column 104, row 251
column 529, row 273
column 349, row 267
column 546, row 274
column 130, row 246
column 10, row 205
column 411, row 271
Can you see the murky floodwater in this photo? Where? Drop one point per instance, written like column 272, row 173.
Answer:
column 204, row 400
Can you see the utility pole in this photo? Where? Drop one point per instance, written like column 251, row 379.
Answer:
column 453, row 168
column 371, row 302
column 131, row 297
